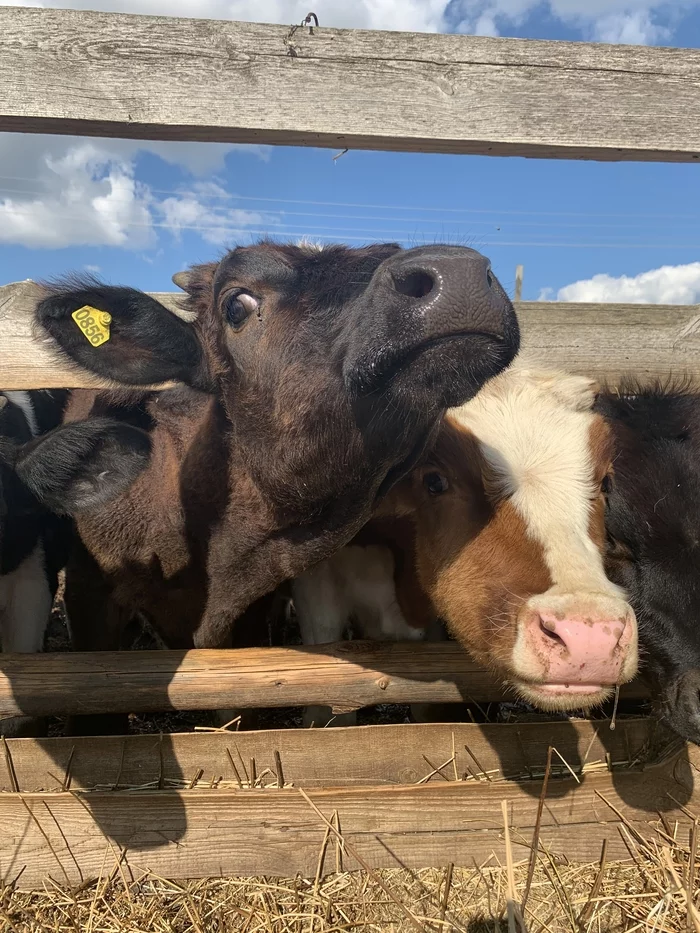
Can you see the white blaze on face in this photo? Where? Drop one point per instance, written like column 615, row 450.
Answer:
column 534, row 430
column 23, row 401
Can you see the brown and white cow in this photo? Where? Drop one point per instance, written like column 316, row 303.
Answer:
column 506, row 541
column 311, row 381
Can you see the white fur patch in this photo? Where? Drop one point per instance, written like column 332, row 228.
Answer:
column 311, row 246
column 356, row 584
column 24, row 402
column 25, row 605
column 534, row 432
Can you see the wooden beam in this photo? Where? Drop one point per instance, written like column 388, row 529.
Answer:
column 27, row 359
column 74, row 836
column 361, row 756
column 104, row 74
column 603, row 341
column 347, row 675
column 607, row 341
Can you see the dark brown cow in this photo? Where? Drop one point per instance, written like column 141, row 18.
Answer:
column 506, row 541
column 313, row 380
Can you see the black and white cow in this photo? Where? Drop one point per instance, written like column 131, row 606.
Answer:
column 48, row 473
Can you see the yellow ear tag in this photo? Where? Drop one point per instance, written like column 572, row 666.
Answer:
column 93, row 323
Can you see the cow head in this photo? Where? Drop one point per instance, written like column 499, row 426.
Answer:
column 509, row 516
column 334, row 365
column 653, row 524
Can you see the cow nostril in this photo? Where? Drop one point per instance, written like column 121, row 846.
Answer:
column 414, row 284
column 489, row 278
column 551, row 634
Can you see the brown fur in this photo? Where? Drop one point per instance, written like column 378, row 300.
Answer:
column 276, row 452
column 474, row 559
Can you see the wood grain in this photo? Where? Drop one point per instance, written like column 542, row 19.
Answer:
column 211, row 832
column 361, row 756
column 27, row 358
column 151, row 77
column 603, row 341
column 346, row 675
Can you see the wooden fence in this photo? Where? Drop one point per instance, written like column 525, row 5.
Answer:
column 415, row 795
column 605, row 341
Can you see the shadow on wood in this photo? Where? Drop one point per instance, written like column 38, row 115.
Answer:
column 404, row 795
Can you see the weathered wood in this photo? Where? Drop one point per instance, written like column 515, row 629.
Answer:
column 603, row 341
column 608, row 340
column 366, row 755
column 27, row 358
column 105, row 74
column 74, row 836
column 345, row 675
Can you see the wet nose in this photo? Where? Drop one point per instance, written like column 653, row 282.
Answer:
column 578, row 650
column 450, row 290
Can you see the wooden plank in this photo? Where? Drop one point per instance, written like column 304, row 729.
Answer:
column 105, row 74
column 27, row 358
column 607, row 341
column 347, row 675
column 209, row 832
column 366, row 755
column 603, row 341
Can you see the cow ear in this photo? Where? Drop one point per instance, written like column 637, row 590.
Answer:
column 181, row 279
column 146, row 344
column 83, row 465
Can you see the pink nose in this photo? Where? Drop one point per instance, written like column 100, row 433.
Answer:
column 577, row 650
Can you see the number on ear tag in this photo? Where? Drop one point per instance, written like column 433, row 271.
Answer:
column 93, row 323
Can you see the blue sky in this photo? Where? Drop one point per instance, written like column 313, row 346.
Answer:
column 138, row 212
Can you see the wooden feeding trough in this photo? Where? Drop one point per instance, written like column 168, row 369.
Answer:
column 267, row 802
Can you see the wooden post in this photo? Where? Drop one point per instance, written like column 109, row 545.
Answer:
column 519, row 283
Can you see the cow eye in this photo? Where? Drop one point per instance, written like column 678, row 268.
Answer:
column 435, row 483
column 238, row 307
column 606, row 485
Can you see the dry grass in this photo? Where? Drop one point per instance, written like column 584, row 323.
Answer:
column 648, row 892
column 640, row 894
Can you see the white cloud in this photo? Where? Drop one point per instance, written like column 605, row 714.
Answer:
column 197, row 158
column 83, row 196
column 627, row 21
column 57, row 192
column 673, row 285
column 416, row 15
column 630, row 29
column 215, row 223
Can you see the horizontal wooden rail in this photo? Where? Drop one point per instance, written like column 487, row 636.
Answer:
column 600, row 340
column 361, row 756
column 104, row 74
column 184, row 805
column 348, row 675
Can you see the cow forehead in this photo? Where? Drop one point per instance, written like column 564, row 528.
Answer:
column 284, row 266
column 532, row 439
column 540, row 449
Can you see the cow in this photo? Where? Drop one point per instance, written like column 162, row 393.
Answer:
column 505, row 542
column 307, row 383
column 48, row 472
column 653, row 526
column 367, row 590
